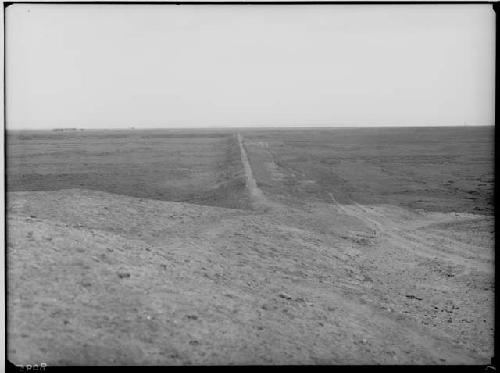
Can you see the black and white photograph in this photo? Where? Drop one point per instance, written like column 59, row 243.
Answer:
column 249, row 184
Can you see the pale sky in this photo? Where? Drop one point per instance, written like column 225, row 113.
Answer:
column 111, row 66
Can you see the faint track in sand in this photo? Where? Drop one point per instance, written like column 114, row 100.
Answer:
column 430, row 245
column 358, row 212
column 257, row 197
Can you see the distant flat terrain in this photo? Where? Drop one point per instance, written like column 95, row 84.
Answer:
column 300, row 246
column 435, row 169
column 166, row 165
column 438, row 169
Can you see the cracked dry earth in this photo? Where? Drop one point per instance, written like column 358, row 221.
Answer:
column 101, row 278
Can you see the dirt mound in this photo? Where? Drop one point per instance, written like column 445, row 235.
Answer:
column 99, row 278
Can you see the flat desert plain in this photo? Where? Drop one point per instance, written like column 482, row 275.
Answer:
column 246, row 246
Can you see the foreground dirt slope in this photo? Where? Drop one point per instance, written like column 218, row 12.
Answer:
column 99, row 278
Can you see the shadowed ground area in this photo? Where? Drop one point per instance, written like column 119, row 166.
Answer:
column 201, row 167
column 302, row 268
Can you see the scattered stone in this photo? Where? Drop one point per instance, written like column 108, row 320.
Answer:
column 285, row 296
column 409, row 296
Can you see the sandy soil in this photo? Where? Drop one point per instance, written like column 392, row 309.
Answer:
column 103, row 278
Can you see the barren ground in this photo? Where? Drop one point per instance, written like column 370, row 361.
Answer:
column 256, row 247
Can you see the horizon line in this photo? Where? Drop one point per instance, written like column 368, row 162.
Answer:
column 133, row 128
